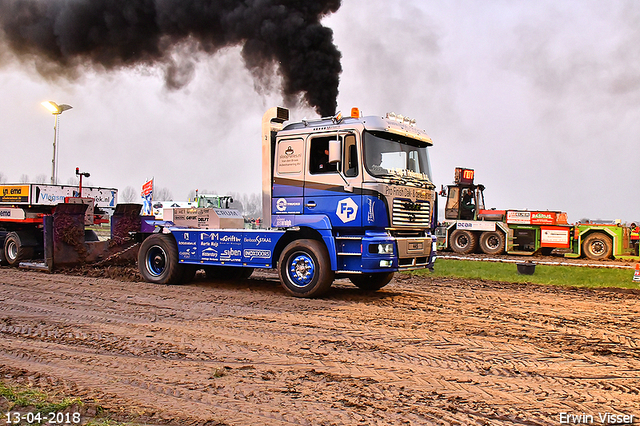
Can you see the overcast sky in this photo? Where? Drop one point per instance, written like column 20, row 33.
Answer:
column 541, row 98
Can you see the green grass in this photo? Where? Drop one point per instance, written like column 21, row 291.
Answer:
column 24, row 400
column 40, row 401
column 568, row 276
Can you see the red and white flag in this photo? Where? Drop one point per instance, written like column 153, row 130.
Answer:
column 147, row 189
column 147, row 198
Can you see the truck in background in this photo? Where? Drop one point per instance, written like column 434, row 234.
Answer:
column 469, row 226
column 341, row 197
column 24, row 206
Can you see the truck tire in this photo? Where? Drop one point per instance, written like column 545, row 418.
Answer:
column 463, row 242
column 228, row 273
column 305, row 269
column 372, row 282
column 15, row 251
column 597, row 246
column 492, row 242
column 158, row 260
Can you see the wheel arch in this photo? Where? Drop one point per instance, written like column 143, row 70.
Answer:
column 605, row 231
column 310, row 234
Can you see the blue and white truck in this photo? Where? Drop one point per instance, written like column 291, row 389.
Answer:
column 341, row 197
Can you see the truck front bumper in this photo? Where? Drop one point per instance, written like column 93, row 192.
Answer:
column 408, row 253
column 416, row 253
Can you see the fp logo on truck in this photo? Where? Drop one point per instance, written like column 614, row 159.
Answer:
column 347, row 210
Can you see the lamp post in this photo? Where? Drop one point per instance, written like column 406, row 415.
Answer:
column 56, row 110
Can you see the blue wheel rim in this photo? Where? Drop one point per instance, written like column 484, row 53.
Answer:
column 156, row 261
column 301, row 269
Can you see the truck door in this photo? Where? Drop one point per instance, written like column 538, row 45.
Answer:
column 288, row 177
column 334, row 189
column 453, row 203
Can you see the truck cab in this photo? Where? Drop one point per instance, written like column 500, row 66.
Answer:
column 363, row 183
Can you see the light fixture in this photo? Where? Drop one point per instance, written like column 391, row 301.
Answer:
column 56, row 110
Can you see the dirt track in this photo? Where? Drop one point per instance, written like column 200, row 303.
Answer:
column 420, row 351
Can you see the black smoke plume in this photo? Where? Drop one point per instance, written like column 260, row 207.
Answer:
column 67, row 35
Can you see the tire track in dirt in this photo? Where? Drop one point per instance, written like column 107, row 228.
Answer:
column 425, row 352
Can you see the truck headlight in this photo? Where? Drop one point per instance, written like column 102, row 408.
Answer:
column 385, row 248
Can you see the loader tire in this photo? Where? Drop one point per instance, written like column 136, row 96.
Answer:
column 158, row 260
column 372, row 282
column 463, row 242
column 492, row 242
column 597, row 246
column 15, row 251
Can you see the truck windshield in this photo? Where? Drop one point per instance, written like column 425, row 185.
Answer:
column 388, row 154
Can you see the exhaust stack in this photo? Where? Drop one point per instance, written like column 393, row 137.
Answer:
column 271, row 123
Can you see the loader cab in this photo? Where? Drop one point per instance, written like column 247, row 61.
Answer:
column 464, row 199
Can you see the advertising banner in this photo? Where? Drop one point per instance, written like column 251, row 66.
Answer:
column 522, row 218
column 14, row 194
column 543, row 218
column 555, row 236
column 476, row 225
column 51, row 195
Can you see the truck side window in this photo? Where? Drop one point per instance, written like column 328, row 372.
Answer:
column 350, row 167
column 319, row 156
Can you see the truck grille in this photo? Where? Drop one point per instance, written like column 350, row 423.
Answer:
column 411, row 213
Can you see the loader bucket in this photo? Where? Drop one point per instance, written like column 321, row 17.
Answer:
column 70, row 247
column 68, row 234
column 125, row 219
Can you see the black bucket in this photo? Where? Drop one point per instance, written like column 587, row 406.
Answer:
column 526, row 268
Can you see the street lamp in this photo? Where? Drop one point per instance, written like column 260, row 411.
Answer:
column 56, row 110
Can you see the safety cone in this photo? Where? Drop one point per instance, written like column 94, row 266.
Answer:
column 636, row 274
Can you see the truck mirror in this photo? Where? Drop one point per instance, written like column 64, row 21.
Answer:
column 335, row 151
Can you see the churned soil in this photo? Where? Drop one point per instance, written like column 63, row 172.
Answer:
column 420, row 351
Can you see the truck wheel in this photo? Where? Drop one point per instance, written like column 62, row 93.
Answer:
column 463, row 242
column 158, row 260
column 492, row 242
column 372, row 282
column 14, row 250
column 597, row 246
column 305, row 269
column 228, row 273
